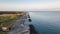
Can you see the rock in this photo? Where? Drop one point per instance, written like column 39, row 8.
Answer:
column 32, row 29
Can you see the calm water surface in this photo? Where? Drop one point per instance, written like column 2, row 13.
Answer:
column 46, row 22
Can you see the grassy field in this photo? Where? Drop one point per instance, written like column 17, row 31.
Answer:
column 7, row 19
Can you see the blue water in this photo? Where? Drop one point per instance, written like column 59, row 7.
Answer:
column 45, row 22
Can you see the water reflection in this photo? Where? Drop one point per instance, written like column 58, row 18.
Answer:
column 46, row 22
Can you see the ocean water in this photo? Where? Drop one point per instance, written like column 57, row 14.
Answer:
column 45, row 22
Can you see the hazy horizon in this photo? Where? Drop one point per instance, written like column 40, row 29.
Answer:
column 29, row 5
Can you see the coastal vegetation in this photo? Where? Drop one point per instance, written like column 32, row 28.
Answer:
column 7, row 18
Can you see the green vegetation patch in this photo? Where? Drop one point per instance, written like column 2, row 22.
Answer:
column 7, row 18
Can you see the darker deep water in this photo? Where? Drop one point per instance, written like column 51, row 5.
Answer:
column 45, row 22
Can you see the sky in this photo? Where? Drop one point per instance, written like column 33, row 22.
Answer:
column 29, row 5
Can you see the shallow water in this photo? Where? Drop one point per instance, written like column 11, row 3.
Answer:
column 45, row 22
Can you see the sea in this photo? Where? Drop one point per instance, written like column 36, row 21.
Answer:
column 45, row 22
